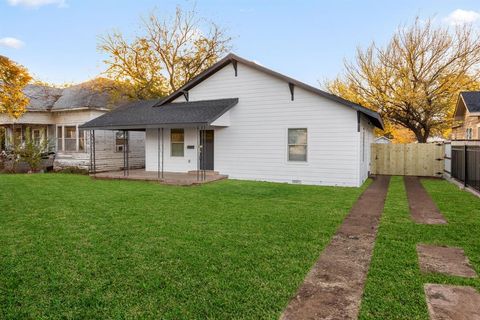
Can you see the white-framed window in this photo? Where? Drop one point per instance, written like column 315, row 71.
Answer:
column 70, row 138
column 469, row 134
column 478, row 131
column 81, row 139
column 59, row 138
column 119, row 141
column 297, row 144
column 177, row 142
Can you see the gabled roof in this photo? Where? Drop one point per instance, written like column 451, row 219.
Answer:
column 472, row 100
column 148, row 114
column 42, row 98
column 86, row 95
column 232, row 58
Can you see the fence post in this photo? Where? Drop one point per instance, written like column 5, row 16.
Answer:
column 465, row 163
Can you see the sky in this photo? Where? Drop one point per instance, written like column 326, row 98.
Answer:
column 307, row 40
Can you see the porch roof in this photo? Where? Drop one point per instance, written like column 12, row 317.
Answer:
column 149, row 114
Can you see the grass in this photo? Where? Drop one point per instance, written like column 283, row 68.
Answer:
column 75, row 248
column 394, row 288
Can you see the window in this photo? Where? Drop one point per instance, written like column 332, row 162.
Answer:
column 37, row 136
column 177, row 138
column 70, row 138
column 468, row 134
column 3, row 138
column 18, row 136
column 297, row 144
column 119, row 141
column 81, row 140
column 59, row 138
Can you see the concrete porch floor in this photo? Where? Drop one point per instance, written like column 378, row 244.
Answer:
column 173, row 178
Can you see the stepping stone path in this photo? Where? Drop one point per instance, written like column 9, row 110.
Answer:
column 422, row 207
column 452, row 302
column 447, row 260
column 443, row 301
column 333, row 288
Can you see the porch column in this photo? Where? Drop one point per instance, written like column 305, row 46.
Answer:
column 158, row 153
column 163, row 152
column 92, row 152
column 125, row 153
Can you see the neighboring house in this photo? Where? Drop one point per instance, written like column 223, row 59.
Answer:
column 55, row 114
column 382, row 140
column 249, row 122
column 467, row 117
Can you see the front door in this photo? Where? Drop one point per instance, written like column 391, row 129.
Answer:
column 206, row 155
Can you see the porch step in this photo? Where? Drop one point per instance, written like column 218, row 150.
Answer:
column 207, row 172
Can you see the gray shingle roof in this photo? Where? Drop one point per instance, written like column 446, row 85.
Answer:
column 84, row 95
column 90, row 94
column 42, row 98
column 147, row 113
column 472, row 100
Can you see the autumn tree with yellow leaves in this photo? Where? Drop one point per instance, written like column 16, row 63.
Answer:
column 13, row 79
column 415, row 79
column 166, row 55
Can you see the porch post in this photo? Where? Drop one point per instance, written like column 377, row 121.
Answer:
column 92, row 152
column 124, row 154
column 198, row 153
column 163, row 153
column 127, row 142
column 158, row 153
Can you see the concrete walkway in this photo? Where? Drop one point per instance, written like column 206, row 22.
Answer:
column 333, row 288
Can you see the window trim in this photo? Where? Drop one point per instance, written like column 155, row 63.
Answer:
column 61, row 128
column 306, row 145
column 182, row 143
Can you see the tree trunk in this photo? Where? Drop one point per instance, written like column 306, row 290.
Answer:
column 420, row 135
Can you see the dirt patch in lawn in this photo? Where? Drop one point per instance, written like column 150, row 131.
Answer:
column 445, row 260
column 422, row 207
column 334, row 287
column 452, row 302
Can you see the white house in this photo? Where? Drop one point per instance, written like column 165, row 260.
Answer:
column 55, row 114
column 248, row 122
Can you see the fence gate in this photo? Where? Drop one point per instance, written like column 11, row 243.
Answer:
column 411, row 159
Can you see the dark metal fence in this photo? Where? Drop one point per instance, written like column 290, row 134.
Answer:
column 466, row 165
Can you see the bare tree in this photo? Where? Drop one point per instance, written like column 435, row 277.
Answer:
column 166, row 56
column 415, row 79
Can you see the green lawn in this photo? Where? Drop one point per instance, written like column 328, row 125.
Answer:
column 75, row 248
column 394, row 288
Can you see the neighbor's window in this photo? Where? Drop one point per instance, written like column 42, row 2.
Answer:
column 468, row 134
column 119, row 141
column 297, row 144
column 70, row 138
column 37, row 136
column 177, row 138
column 59, row 138
column 81, row 140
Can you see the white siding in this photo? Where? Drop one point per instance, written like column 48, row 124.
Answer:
column 254, row 146
column 172, row 164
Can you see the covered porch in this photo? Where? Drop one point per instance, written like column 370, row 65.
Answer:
column 179, row 140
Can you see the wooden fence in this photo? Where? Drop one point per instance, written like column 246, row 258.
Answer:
column 412, row 159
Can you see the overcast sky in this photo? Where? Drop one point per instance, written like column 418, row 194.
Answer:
column 308, row 40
